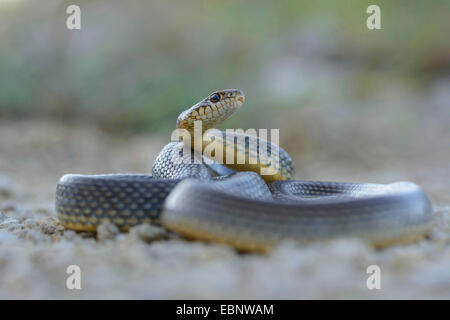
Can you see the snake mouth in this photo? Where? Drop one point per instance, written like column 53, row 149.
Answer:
column 237, row 94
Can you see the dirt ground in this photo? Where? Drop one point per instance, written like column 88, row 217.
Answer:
column 35, row 250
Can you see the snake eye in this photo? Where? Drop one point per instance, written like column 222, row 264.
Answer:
column 214, row 98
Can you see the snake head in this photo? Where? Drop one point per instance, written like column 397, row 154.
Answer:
column 212, row 110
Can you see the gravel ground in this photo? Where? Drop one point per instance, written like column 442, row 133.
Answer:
column 35, row 250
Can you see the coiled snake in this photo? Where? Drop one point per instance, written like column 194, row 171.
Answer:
column 204, row 200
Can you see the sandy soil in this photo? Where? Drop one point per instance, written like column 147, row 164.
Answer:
column 35, row 250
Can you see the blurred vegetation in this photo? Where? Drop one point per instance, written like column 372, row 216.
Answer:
column 135, row 65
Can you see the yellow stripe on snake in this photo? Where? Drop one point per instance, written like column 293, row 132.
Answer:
column 232, row 203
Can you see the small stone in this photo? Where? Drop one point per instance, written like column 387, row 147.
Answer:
column 69, row 234
column 14, row 227
column 87, row 234
column 47, row 228
column 30, row 223
column 8, row 223
column 107, row 231
column 148, row 233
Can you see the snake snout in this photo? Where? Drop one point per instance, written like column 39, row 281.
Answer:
column 236, row 94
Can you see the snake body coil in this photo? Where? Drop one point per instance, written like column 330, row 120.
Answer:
column 203, row 200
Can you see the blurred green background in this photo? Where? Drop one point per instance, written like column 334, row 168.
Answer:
column 346, row 98
column 135, row 65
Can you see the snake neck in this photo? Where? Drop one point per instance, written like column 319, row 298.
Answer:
column 242, row 152
column 236, row 151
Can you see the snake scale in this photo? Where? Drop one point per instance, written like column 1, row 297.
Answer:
column 202, row 199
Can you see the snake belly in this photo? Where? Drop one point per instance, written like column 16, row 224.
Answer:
column 201, row 199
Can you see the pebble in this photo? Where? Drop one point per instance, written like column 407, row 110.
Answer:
column 14, row 227
column 8, row 223
column 47, row 228
column 148, row 233
column 107, row 231
column 69, row 234
column 30, row 223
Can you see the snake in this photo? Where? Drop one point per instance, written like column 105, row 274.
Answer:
column 235, row 188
